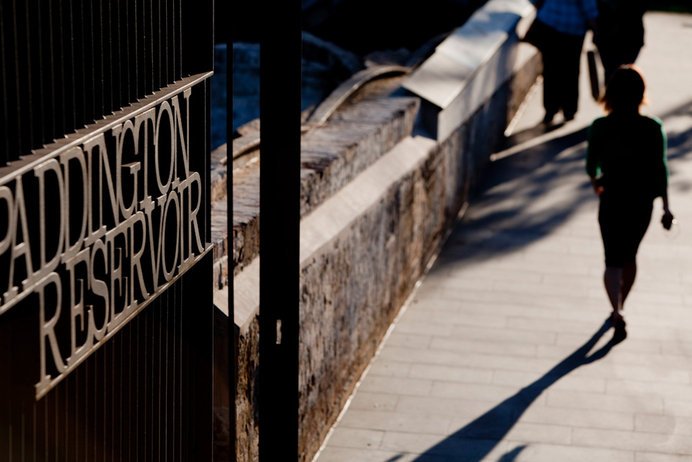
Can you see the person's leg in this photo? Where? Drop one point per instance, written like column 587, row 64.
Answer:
column 569, row 69
column 637, row 221
column 612, row 279
column 610, row 223
column 629, row 273
column 609, row 60
column 550, row 54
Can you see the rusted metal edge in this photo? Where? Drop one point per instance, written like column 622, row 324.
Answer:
column 250, row 142
column 344, row 91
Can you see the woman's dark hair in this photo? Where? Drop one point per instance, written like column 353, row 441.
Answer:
column 625, row 90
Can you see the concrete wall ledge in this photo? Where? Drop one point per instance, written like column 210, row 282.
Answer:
column 468, row 66
column 319, row 229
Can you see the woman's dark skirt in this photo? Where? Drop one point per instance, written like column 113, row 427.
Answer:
column 623, row 224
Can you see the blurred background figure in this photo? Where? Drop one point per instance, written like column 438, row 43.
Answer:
column 619, row 33
column 567, row 21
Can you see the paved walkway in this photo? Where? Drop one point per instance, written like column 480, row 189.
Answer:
column 501, row 354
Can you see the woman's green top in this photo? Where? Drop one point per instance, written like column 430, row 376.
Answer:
column 627, row 155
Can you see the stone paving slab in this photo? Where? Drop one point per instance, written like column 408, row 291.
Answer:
column 501, row 354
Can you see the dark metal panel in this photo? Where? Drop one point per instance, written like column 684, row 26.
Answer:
column 149, row 57
column 197, row 22
column 23, row 76
column 91, row 415
column 80, row 64
column 65, row 64
column 5, row 390
column 141, row 42
column 4, row 148
column 110, row 56
column 280, row 55
column 200, row 317
column 40, row 132
column 119, row 37
column 97, row 32
column 171, row 38
column 69, row 67
column 44, row 72
column 128, row 49
column 57, row 51
column 12, row 76
column 163, row 26
column 90, row 73
column 179, row 39
column 157, row 35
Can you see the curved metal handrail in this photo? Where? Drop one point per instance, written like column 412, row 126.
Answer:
column 344, row 91
column 321, row 114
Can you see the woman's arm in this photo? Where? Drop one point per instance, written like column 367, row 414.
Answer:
column 668, row 218
column 593, row 161
column 663, row 173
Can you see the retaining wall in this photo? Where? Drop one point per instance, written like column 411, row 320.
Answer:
column 371, row 227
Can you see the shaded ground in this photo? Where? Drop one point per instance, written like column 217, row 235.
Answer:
column 364, row 26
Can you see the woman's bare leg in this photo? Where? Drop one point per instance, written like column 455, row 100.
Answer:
column 629, row 272
column 612, row 279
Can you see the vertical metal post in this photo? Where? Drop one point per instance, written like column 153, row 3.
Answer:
column 232, row 334
column 280, row 105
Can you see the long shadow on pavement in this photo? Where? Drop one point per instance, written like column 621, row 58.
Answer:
column 510, row 211
column 532, row 172
column 477, row 439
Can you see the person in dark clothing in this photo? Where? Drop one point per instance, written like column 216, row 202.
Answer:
column 619, row 34
column 567, row 22
column 626, row 162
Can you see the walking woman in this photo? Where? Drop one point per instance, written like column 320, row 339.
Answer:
column 626, row 161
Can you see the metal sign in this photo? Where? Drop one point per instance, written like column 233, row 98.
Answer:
column 136, row 212
column 106, row 312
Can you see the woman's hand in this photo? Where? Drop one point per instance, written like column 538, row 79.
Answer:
column 597, row 186
column 667, row 219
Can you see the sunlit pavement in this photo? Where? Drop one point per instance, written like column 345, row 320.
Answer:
column 502, row 353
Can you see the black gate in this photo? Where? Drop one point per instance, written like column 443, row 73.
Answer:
column 106, row 318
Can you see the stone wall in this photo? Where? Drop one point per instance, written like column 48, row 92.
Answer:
column 366, row 243
column 359, row 275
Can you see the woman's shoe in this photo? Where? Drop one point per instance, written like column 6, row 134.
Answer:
column 616, row 319
column 620, row 333
column 619, row 324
